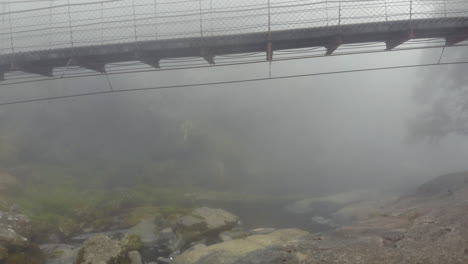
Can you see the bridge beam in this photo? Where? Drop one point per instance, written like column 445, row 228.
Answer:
column 333, row 45
column 456, row 38
column 89, row 64
column 208, row 55
column 153, row 62
column 150, row 59
column 34, row 68
column 398, row 40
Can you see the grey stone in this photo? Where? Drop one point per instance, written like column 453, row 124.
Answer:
column 60, row 253
column 146, row 230
column 102, row 250
column 233, row 251
column 135, row 257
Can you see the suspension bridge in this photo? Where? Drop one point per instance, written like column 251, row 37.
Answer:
column 61, row 36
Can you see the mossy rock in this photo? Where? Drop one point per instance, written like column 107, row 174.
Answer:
column 132, row 242
column 102, row 250
column 30, row 255
column 136, row 215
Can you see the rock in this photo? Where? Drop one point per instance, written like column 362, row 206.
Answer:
column 3, row 253
column 262, row 231
column 9, row 238
column 132, row 242
column 230, row 235
column 170, row 239
column 146, row 230
column 135, row 257
column 328, row 204
column 29, row 255
column 233, row 251
column 7, row 181
column 102, row 250
column 15, row 247
column 60, row 253
column 204, row 222
column 116, row 234
column 21, row 224
column 322, row 220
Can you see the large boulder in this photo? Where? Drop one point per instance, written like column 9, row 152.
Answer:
column 204, row 222
column 326, row 205
column 60, row 253
column 146, row 230
column 15, row 246
column 233, row 251
column 102, row 250
column 21, row 224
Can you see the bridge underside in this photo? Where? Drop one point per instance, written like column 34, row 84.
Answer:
column 393, row 33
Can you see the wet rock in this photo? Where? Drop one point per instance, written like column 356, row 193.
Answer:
column 146, row 230
column 233, row 251
column 9, row 238
column 3, row 253
column 135, row 257
column 21, row 224
column 116, row 234
column 102, row 250
column 262, row 231
column 60, row 253
column 230, row 235
column 329, row 204
column 204, row 222
column 29, row 255
column 132, row 242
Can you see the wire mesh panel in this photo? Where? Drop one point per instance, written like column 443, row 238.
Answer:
column 56, row 24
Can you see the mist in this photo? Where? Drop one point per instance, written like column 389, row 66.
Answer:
column 313, row 135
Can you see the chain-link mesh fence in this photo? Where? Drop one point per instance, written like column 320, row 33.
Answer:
column 64, row 24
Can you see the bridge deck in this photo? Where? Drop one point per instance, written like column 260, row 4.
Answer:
column 393, row 33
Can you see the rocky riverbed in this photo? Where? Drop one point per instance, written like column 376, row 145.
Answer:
column 428, row 225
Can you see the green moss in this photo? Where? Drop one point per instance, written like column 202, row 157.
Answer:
column 132, row 242
column 17, row 259
column 30, row 255
column 136, row 215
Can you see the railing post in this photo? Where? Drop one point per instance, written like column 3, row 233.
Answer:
column 269, row 17
column 386, row 10
column 411, row 10
column 134, row 21
column 445, row 8
column 339, row 12
column 201, row 19
column 50, row 23
column 156, row 19
column 326, row 11
column 11, row 27
column 70, row 23
column 102, row 23
column 211, row 17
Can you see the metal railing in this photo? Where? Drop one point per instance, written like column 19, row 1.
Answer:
column 64, row 24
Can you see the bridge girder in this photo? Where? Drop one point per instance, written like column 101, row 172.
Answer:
column 456, row 38
column 34, row 68
column 392, row 33
column 208, row 55
column 334, row 44
column 89, row 64
column 397, row 40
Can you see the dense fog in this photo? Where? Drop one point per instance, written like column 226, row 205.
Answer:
column 308, row 135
